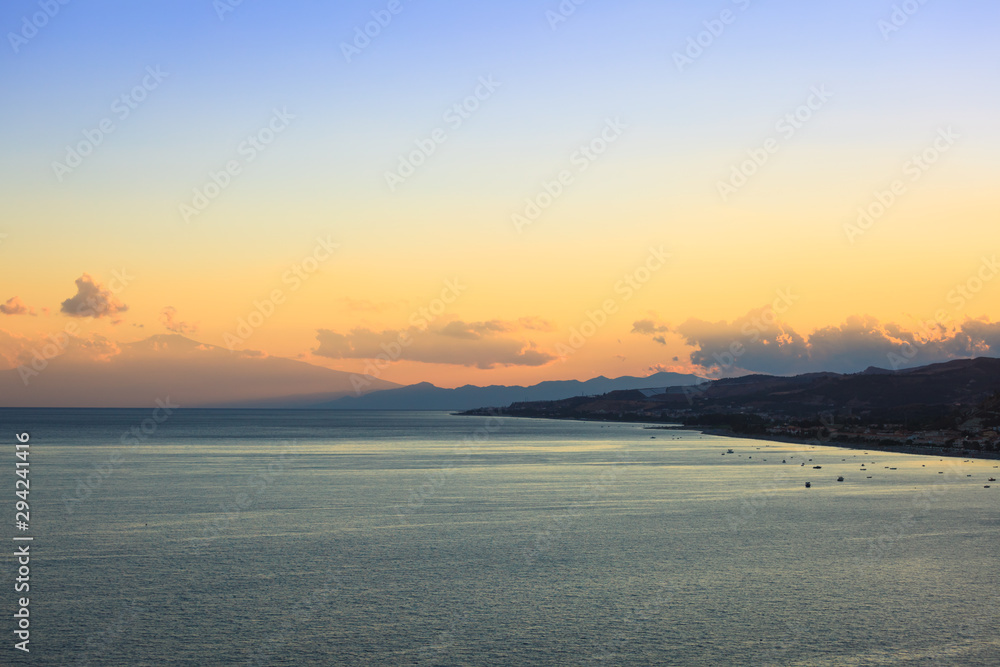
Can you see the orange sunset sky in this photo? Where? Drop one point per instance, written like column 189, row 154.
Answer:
column 519, row 197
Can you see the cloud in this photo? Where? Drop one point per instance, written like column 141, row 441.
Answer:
column 18, row 350
column 648, row 327
column 536, row 324
column 15, row 306
column 168, row 318
column 754, row 339
column 474, row 330
column 759, row 342
column 92, row 300
column 14, row 349
column 479, row 344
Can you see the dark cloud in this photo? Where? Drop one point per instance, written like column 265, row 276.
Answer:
column 479, row 344
column 759, row 342
column 648, row 327
column 755, row 339
column 92, row 300
column 14, row 306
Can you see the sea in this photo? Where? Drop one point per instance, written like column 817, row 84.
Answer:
column 256, row 537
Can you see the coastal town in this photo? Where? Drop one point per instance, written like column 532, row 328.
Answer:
column 950, row 409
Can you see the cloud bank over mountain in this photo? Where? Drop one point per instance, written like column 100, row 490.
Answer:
column 759, row 342
column 484, row 345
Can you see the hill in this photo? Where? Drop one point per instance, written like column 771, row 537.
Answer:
column 425, row 396
column 192, row 374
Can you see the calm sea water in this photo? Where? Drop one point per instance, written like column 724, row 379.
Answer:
column 398, row 538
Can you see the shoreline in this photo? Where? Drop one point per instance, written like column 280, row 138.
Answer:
column 729, row 433
column 869, row 446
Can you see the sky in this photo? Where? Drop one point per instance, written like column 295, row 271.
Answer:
column 504, row 192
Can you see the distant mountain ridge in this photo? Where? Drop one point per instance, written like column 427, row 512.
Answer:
column 916, row 393
column 426, row 396
column 190, row 373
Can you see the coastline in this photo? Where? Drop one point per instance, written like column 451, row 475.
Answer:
column 868, row 446
column 729, row 433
